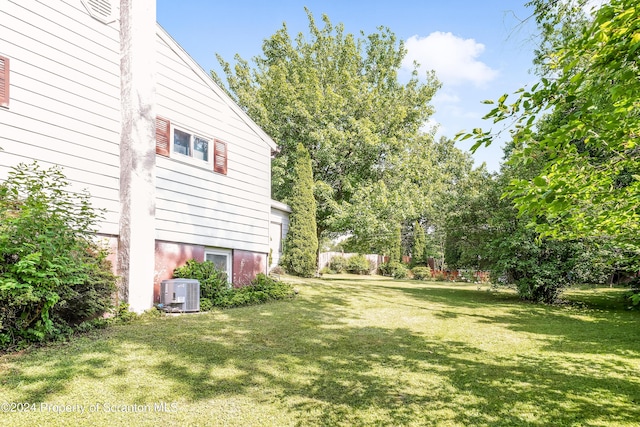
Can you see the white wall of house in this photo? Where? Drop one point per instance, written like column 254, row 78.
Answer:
column 194, row 204
column 279, row 229
column 65, row 97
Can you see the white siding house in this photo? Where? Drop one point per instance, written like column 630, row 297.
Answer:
column 68, row 96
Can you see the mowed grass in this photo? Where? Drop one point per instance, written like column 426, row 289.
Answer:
column 347, row 351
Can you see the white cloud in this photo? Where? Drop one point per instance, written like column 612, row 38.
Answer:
column 446, row 98
column 454, row 59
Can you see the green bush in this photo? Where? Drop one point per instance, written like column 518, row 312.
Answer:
column 421, row 273
column 205, row 304
column 217, row 293
column 542, row 269
column 327, row 270
column 394, row 269
column 123, row 314
column 91, row 298
column 262, row 289
column 53, row 276
column 400, row 271
column 338, row 264
column 384, row 270
column 213, row 282
column 358, row 264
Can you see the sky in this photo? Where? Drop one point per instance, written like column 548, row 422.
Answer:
column 478, row 49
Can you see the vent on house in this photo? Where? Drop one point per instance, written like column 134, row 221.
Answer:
column 103, row 10
column 180, row 295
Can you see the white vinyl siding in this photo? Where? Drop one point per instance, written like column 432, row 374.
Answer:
column 65, row 110
column 65, row 97
column 278, row 231
column 194, row 204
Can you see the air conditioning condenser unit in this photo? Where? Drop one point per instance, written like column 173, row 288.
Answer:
column 180, row 295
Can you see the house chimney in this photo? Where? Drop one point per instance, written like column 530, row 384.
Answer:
column 136, row 245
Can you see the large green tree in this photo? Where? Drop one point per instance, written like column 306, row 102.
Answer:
column 340, row 96
column 589, row 183
column 468, row 228
column 421, row 187
column 485, row 232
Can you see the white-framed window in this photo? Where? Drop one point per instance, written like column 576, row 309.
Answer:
column 221, row 258
column 190, row 145
column 180, row 143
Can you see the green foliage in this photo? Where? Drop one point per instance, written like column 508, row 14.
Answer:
column 421, row 184
column 216, row 292
column 572, row 166
column 419, row 244
column 486, row 233
column 395, row 248
column 421, row 273
column 633, row 298
column 261, row 290
column 206, row 304
column 213, row 282
column 123, row 314
column 93, row 296
column 53, row 276
column 358, row 264
column 587, row 143
column 340, row 96
column 471, row 222
column 394, row 269
column 540, row 269
column 468, row 276
column 338, row 264
column 327, row 270
column 301, row 244
column 400, row 271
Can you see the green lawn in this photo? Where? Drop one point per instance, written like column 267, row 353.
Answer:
column 347, row 351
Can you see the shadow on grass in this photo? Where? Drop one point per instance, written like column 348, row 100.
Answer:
column 597, row 324
column 312, row 357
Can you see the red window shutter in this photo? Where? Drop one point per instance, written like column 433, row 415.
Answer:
column 4, row 81
column 220, row 157
column 163, row 135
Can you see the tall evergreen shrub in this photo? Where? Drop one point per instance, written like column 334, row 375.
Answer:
column 301, row 244
column 419, row 244
column 395, row 249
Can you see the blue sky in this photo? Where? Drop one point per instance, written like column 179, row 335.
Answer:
column 479, row 49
